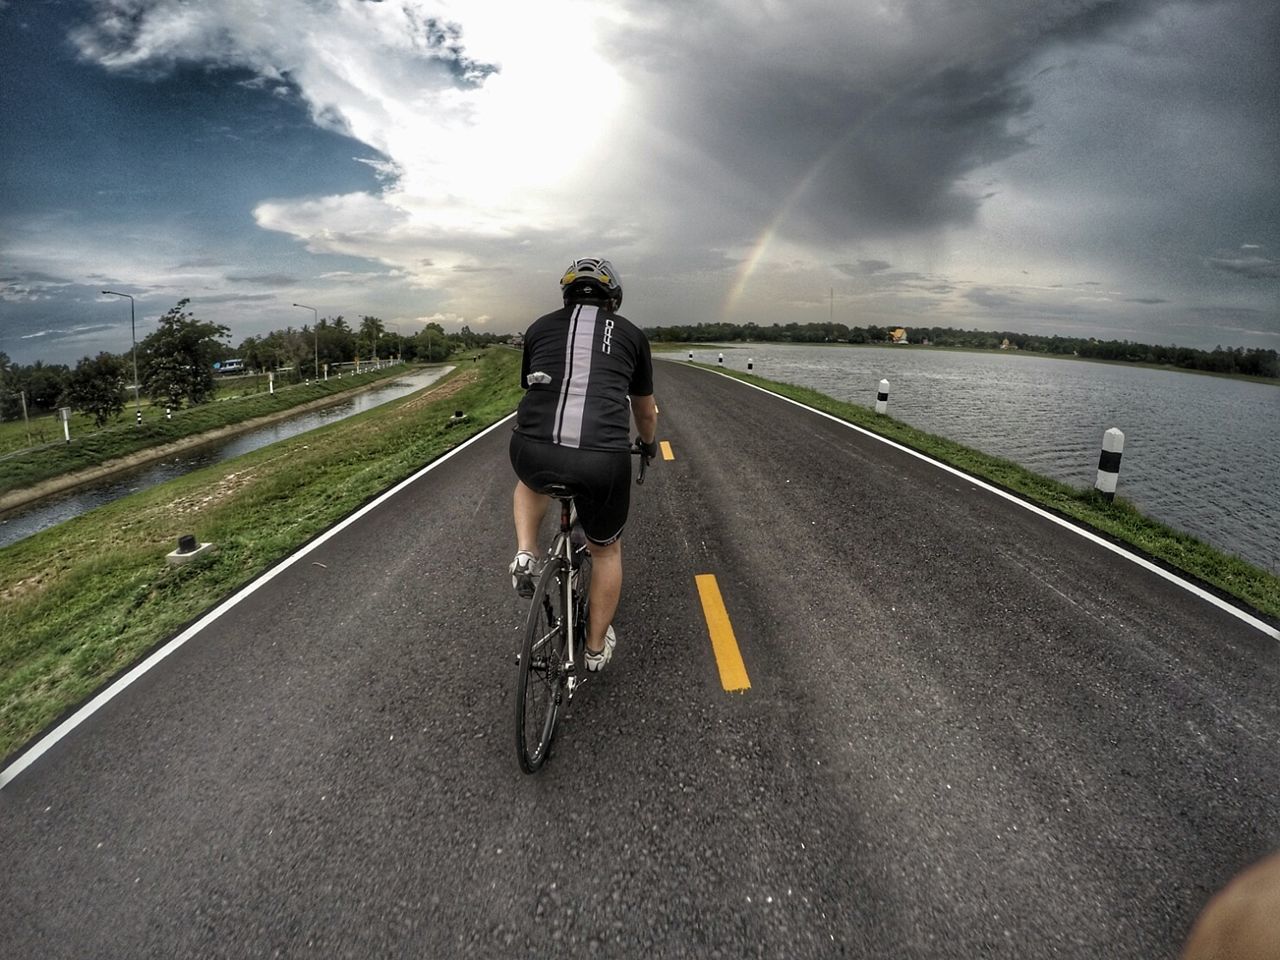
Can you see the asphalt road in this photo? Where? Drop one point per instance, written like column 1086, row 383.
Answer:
column 969, row 733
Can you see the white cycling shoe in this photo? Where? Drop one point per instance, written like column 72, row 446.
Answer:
column 522, row 570
column 597, row 661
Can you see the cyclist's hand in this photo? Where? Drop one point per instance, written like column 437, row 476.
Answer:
column 647, row 450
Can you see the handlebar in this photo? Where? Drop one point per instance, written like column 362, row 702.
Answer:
column 644, row 461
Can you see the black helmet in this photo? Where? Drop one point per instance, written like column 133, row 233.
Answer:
column 591, row 278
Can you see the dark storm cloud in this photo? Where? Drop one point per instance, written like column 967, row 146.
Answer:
column 873, row 119
column 1147, row 300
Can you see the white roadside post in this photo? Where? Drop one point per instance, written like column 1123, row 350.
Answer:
column 691, row 356
column 882, row 397
column 1109, row 463
column 271, row 382
column 751, row 363
column 720, row 359
column 66, row 422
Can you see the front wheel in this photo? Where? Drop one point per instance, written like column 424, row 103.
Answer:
column 543, row 668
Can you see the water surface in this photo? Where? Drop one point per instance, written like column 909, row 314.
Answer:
column 1201, row 454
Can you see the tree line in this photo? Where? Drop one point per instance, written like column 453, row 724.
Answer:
column 176, row 362
column 1253, row 361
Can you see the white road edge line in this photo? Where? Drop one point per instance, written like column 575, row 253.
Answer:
column 1187, row 585
column 81, row 715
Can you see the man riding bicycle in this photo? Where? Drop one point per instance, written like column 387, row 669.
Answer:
column 586, row 372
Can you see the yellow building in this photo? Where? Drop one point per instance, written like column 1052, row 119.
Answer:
column 899, row 335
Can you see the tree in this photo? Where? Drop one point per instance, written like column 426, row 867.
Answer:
column 10, row 404
column 96, row 387
column 177, row 360
column 431, row 344
column 371, row 329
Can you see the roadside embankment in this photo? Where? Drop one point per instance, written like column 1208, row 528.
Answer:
column 82, row 601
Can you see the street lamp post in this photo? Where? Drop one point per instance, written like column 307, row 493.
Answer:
column 315, row 330
column 133, row 337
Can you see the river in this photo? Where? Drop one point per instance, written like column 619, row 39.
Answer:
column 1201, row 454
column 61, row 507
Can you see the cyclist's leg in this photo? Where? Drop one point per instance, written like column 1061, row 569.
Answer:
column 529, row 508
column 602, row 509
column 534, row 466
column 606, row 587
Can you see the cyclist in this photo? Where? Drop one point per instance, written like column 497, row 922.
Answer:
column 586, row 372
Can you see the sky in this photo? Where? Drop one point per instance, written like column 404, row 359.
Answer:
column 1102, row 168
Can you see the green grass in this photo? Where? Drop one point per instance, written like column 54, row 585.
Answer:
column 1118, row 519
column 89, row 448
column 85, row 599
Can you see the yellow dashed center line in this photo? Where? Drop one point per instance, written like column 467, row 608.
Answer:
column 666, row 450
column 733, row 672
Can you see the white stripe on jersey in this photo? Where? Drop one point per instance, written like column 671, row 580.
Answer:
column 577, row 372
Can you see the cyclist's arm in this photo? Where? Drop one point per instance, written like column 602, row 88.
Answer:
column 644, row 410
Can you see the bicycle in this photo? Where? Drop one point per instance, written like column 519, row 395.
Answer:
column 552, row 656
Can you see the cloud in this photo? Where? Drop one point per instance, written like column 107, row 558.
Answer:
column 266, row 280
column 932, row 160
column 31, row 285
column 151, row 35
column 68, row 333
column 233, row 298
column 1255, row 267
column 198, row 262
column 985, row 297
column 863, row 268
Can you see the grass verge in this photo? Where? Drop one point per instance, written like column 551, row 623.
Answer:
column 30, row 467
column 1118, row 519
column 83, row 600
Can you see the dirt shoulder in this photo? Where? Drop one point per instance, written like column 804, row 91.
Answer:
column 69, row 481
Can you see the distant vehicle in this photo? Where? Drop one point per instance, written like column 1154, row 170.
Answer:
column 228, row 366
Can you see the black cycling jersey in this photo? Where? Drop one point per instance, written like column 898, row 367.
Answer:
column 580, row 365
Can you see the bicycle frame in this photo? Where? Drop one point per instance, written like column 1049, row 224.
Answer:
column 562, row 549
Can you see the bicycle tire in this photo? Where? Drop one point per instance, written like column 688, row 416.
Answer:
column 540, row 684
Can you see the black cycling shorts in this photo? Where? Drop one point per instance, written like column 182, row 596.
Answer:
column 600, row 481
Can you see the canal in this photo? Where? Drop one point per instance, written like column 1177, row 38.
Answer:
column 26, row 521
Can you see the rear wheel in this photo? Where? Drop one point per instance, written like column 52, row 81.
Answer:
column 540, row 686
